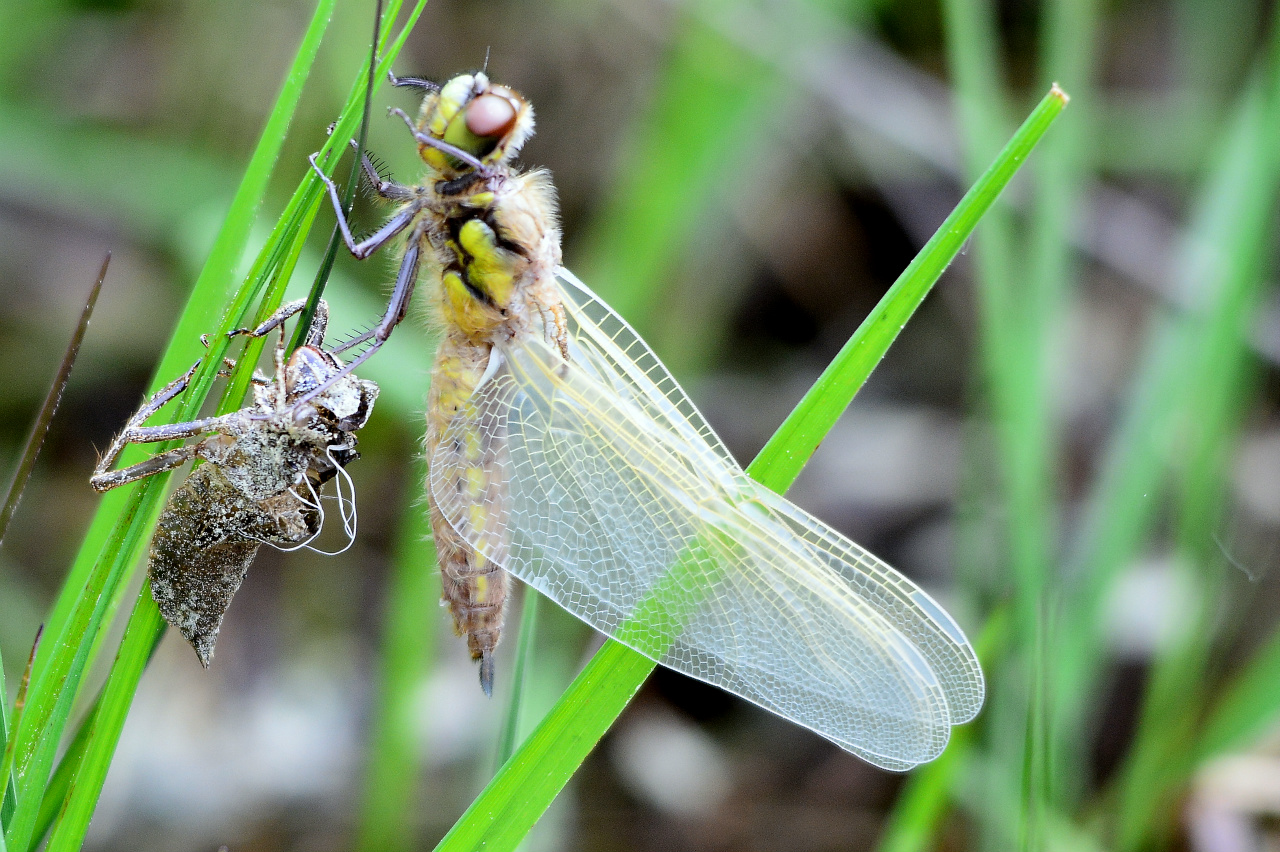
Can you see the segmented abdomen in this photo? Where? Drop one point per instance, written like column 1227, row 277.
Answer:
column 474, row 587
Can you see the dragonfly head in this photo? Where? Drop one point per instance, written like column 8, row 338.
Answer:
column 488, row 121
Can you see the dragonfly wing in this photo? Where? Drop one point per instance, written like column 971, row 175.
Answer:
column 620, row 510
column 629, row 365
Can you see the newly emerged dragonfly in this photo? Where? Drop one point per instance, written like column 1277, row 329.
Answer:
column 562, row 451
column 263, row 469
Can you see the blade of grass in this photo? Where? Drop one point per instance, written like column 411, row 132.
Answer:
column 145, row 628
column 526, row 642
column 795, row 441
column 64, row 775
column 9, row 799
column 353, row 180
column 6, row 780
column 1248, row 706
column 105, row 557
column 521, row 791
column 140, row 638
column 31, row 450
column 1068, row 34
column 408, row 644
column 1214, row 384
column 43, row 723
column 1233, row 204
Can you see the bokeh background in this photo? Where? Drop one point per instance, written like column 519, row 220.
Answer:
column 1074, row 444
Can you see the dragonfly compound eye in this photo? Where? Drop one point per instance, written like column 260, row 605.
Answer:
column 487, row 124
column 491, row 116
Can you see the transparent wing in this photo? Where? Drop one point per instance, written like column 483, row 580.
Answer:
column 623, row 507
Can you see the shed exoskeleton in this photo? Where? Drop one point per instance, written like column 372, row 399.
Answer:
column 263, row 467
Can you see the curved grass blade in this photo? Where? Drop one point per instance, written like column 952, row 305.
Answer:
column 526, row 643
column 353, row 180
column 387, row 817
column 118, row 529
column 525, row 786
column 275, row 262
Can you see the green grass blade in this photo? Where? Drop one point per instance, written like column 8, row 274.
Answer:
column 140, row 641
column 522, row 790
column 408, row 644
column 145, row 628
column 1248, row 707
column 105, row 558
column 1216, row 377
column 795, row 441
column 526, row 644
column 1068, row 35
column 68, row 768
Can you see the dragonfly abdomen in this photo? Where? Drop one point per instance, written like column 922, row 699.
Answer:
column 474, row 587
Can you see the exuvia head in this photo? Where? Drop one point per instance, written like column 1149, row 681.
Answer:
column 348, row 402
column 306, row 369
column 488, row 121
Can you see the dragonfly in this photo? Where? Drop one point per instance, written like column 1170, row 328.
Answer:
column 561, row 451
column 264, row 467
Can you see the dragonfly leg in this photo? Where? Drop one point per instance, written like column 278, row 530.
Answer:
column 388, row 189
column 413, row 83
column 396, row 308
column 278, row 318
column 440, row 145
column 378, row 238
column 104, row 478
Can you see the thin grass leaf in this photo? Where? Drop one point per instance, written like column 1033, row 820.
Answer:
column 526, row 644
column 145, row 627
column 387, row 813
column 6, row 780
column 8, row 789
column 1248, row 706
column 98, row 570
column 1229, row 248
column 522, row 790
column 353, row 181
column 65, row 773
column 1069, row 35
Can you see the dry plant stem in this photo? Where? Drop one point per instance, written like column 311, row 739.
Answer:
column 41, row 427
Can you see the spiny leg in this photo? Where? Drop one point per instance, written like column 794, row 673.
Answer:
column 315, row 334
column 396, row 308
column 161, row 398
column 380, row 237
column 413, row 83
column 388, row 189
column 278, row 318
column 104, row 478
column 440, row 145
